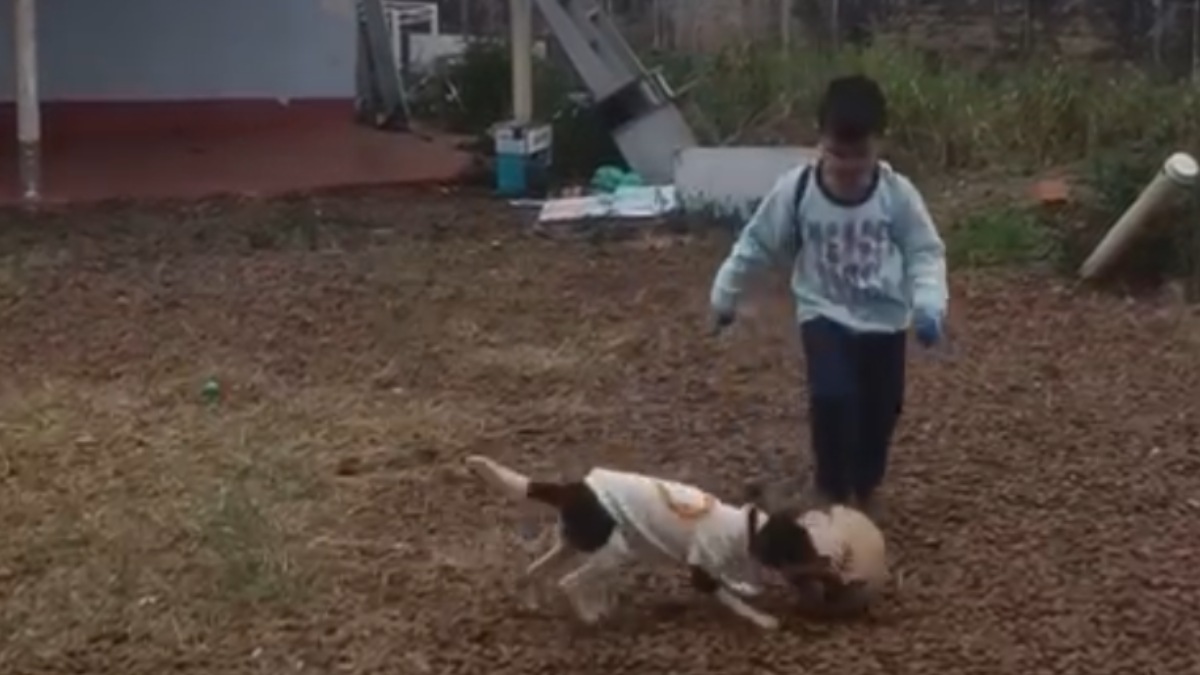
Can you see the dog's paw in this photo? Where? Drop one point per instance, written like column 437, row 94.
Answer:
column 589, row 614
column 766, row 622
column 591, row 607
column 529, row 596
column 744, row 589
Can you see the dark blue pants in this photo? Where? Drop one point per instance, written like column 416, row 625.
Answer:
column 856, row 392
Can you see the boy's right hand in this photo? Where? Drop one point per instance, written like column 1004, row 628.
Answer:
column 928, row 326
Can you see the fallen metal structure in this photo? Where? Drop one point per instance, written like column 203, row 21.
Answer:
column 380, row 98
column 636, row 105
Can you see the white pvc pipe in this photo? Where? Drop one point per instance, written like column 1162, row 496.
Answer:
column 521, row 27
column 1179, row 171
column 29, row 121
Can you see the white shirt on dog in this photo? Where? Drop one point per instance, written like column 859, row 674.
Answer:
column 680, row 521
column 852, row 542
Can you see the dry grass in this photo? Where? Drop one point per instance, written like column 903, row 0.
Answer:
column 316, row 519
column 136, row 514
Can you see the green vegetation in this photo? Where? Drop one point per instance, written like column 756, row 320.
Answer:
column 1002, row 236
column 470, row 95
column 1107, row 126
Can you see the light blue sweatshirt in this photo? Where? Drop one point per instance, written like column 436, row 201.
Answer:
column 865, row 265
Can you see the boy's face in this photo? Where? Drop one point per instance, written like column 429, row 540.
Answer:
column 849, row 163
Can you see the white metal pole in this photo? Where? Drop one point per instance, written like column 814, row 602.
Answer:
column 29, row 122
column 521, row 18
column 1179, row 172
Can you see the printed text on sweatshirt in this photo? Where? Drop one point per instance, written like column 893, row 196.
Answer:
column 865, row 265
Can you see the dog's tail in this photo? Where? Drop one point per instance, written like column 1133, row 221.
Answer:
column 517, row 485
column 508, row 481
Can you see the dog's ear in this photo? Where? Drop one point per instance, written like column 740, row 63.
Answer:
column 782, row 541
column 770, row 494
column 799, row 537
column 754, row 492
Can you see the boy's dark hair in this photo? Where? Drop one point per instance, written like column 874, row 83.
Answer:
column 852, row 109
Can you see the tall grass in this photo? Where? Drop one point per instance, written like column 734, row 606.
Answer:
column 1111, row 125
column 947, row 116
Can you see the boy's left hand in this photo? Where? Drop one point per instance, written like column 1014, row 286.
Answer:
column 927, row 324
column 721, row 321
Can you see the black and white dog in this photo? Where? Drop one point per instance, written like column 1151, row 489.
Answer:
column 610, row 517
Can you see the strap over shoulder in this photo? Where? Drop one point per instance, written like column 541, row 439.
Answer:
column 802, row 183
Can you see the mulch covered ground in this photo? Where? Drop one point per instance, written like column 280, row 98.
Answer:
column 316, row 518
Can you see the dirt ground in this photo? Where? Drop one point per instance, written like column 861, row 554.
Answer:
column 316, row 518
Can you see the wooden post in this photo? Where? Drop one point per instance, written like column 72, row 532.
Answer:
column 835, row 24
column 785, row 24
column 520, row 17
column 29, row 121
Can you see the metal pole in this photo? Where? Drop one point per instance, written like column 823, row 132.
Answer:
column 521, row 26
column 785, row 24
column 29, row 122
column 1196, row 41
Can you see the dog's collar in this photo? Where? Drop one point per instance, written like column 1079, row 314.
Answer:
column 751, row 525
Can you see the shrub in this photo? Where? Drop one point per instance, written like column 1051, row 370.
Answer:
column 1004, row 236
column 957, row 116
column 470, row 94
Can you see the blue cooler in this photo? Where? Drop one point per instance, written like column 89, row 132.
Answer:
column 522, row 158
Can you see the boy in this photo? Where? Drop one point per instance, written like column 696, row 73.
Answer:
column 865, row 260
